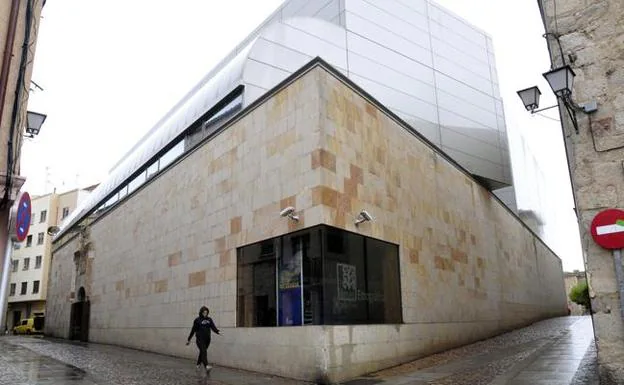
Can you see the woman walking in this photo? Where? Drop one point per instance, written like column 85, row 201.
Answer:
column 202, row 326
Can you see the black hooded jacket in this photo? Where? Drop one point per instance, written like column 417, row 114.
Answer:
column 202, row 326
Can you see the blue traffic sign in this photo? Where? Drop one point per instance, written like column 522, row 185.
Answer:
column 22, row 222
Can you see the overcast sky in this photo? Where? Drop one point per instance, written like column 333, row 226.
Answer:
column 111, row 69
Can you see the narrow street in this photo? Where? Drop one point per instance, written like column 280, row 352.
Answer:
column 559, row 351
column 38, row 361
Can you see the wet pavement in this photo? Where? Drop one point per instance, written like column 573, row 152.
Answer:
column 40, row 361
column 556, row 351
column 559, row 351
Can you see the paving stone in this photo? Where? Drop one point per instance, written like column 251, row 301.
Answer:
column 40, row 361
column 556, row 351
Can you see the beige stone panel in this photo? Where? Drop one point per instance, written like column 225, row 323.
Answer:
column 469, row 253
column 191, row 219
column 456, row 239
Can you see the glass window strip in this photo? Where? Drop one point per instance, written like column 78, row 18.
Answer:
column 180, row 148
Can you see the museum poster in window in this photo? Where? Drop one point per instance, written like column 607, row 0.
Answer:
column 290, row 282
column 347, row 282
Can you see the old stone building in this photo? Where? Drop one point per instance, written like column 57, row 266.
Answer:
column 442, row 262
column 589, row 36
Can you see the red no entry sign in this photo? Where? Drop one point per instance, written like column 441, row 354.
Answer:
column 607, row 229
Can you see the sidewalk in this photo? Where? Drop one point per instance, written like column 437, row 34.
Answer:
column 559, row 351
column 35, row 360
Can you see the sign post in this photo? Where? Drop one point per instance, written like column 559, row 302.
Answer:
column 607, row 229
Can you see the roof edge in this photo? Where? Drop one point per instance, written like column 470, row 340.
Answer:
column 319, row 62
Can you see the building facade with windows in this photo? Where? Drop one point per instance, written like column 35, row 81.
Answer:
column 30, row 260
column 330, row 107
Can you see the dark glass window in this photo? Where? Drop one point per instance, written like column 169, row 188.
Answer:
column 257, row 302
column 12, row 289
column 24, row 288
column 312, row 264
column 345, row 278
column 320, row 276
column 383, row 277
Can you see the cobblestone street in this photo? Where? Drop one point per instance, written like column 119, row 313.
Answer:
column 556, row 352
column 34, row 360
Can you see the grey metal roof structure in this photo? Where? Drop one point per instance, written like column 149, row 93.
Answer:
column 425, row 64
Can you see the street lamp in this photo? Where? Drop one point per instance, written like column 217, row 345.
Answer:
column 561, row 80
column 530, row 98
column 34, row 121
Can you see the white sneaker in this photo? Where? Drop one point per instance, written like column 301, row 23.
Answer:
column 208, row 368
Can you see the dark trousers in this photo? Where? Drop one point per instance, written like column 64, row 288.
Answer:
column 202, row 345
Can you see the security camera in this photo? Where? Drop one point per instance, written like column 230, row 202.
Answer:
column 290, row 213
column 364, row 216
column 287, row 212
column 53, row 230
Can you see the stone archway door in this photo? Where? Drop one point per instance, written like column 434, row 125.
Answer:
column 79, row 318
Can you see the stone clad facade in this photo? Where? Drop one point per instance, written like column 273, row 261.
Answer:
column 591, row 37
column 469, row 268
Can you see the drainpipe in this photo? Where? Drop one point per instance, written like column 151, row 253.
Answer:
column 8, row 53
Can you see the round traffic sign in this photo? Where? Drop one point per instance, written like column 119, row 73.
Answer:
column 22, row 220
column 607, row 229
